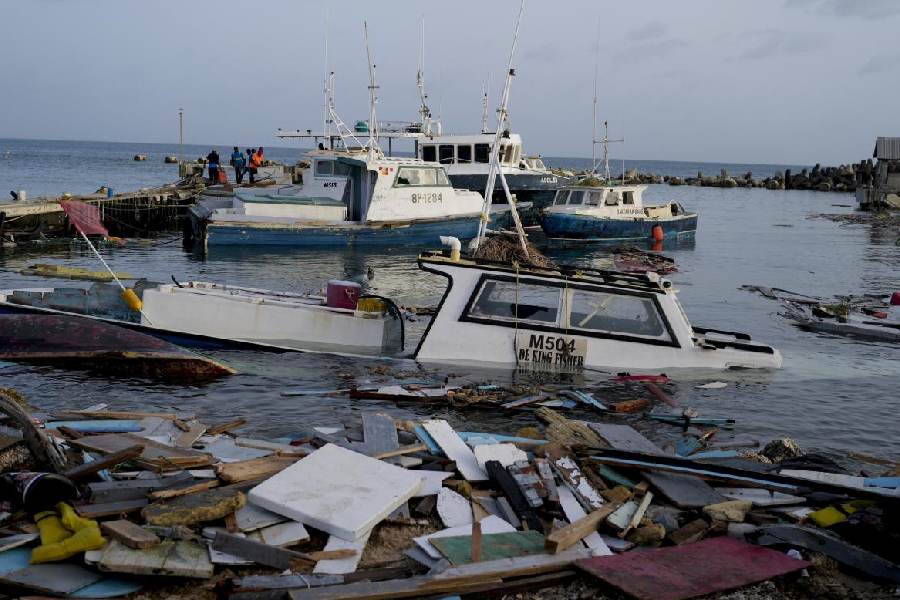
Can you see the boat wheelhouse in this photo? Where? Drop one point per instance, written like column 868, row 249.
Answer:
column 385, row 201
column 493, row 314
column 613, row 213
column 202, row 314
column 467, row 161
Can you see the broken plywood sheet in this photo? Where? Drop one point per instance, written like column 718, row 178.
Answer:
column 341, row 566
column 339, row 491
column 453, row 508
column 624, row 437
column 154, row 452
column 760, row 497
column 225, row 450
column 680, row 572
column 684, row 491
column 574, row 511
column 174, row 558
column 489, row 524
column 494, row 546
column 505, row 454
column 455, row 449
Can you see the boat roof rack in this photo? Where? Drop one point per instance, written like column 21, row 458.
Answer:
column 641, row 281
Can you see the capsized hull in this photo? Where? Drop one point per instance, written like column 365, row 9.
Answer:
column 82, row 343
column 586, row 227
column 420, row 233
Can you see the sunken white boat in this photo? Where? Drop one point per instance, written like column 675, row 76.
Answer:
column 497, row 315
column 202, row 314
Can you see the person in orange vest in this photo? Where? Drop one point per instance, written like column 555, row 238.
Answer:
column 256, row 161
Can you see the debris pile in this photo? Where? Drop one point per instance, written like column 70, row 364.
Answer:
column 102, row 503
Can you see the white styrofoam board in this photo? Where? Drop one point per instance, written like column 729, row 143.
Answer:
column 453, row 508
column 341, row 566
column 505, row 454
column 573, row 510
column 455, row 449
column 433, row 482
column 338, row 491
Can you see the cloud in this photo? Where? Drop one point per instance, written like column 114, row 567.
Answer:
column 655, row 29
column 881, row 63
column 546, row 52
column 767, row 43
column 650, row 40
column 863, row 9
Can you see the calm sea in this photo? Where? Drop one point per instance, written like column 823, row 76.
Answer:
column 833, row 394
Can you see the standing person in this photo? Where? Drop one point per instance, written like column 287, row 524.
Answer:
column 251, row 169
column 238, row 162
column 212, row 161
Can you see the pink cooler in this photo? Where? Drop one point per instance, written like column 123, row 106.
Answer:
column 342, row 294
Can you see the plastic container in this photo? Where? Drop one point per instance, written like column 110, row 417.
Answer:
column 342, row 294
column 222, row 176
column 109, row 192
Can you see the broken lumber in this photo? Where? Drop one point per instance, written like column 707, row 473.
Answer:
column 110, row 460
column 223, row 427
column 130, row 534
column 208, row 505
column 253, row 469
column 572, row 533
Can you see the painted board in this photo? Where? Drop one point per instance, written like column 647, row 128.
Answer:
column 494, row 546
column 455, row 449
column 454, row 509
column 624, row 437
column 282, row 534
column 251, row 517
column 505, row 454
column 174, row 558
column 705, row 567
column 489, row 524
column 341, row 566
column 574, row 511
column 338, row 491
column 760, row 497
column 684, row 491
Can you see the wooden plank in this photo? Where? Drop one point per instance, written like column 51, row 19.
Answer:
column 184, row 490
column 255, row 468
column 105, row 414
column 223, row 427
column 199, row 507
column 97, row 426
column 109, row 509
column 153, row 452
column 638, row 514
column 170, row 557
column 525, row 401
column 130, row 534
column 193, row 433
column 684, row 491
column 251, row 517
column 110, row 460
column 575, row 512
column 56, row 578
column 489, row 524
column 276, row 447
column 585, row 527
column 624, row 437
column 281, row 534
column 272, row 556
column 494, row 546
column 501, row 477
column 341, row 566
column 679, row 572
column 455, row 449
column 411, row 449
column 580, row 485
column 760, row 497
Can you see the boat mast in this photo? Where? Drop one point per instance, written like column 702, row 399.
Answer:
column 484, row 107
column 424, row 111
column 605, row 143
column 374, row 151
column 495, row 169
column 594, row 115
column 329, row 89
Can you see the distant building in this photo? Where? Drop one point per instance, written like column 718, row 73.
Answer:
column 878, row 184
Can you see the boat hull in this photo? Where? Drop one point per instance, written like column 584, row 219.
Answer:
column 425, row 232
column 537, row 188
column 586, row 227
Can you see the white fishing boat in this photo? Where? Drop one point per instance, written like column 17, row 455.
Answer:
column 499, row 315
column 613, row 212
column 202, row 314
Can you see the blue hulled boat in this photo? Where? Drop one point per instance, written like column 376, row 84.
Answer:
column 607, row 213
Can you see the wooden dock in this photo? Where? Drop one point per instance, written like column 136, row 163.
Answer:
column 130, row 214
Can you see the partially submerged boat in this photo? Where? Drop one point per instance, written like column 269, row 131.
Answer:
column 75, row 342
column 822, row 318
column 501, row 315
column 613, row 212
column 205, row 314
column 385, row 201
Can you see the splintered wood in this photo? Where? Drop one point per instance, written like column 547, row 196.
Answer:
column 567, row 432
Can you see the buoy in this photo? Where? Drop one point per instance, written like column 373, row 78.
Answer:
column 657, row 233
column 131, row 299
column 895, row 299
column 170, row 160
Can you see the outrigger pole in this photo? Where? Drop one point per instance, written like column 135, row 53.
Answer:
column 372, row 144
column 495, row 170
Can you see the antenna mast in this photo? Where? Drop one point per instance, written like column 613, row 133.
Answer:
column 372, row 144
column 485, row 90
column 424, row 111
column 495, row 170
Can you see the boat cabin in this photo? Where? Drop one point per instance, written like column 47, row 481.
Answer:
column 471, row 149
column 493, row 314
column 625, row 199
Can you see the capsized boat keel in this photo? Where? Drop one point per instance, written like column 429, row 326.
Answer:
column 563, row 319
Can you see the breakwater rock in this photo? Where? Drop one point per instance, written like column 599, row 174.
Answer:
column 843, row 178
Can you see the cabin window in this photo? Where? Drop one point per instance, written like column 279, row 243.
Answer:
column 561, row 196
column 482, row 153
column 341, row 169
column 612, row 199
column 627, row 197
column 324, row 167
column 616, row 313
column 595, row 198
column 428, row 154
column 464, row 154
column 447, row 153
column 576, row 197
column 420, row 176
column 509, row 301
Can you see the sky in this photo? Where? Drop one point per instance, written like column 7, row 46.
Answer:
column 750, row 81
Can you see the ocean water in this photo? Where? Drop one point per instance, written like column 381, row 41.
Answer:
column 833, row 394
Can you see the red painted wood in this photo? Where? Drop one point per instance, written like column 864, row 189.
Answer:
column 713, row 565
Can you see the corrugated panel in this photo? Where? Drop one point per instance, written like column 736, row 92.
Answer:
column 887, row 148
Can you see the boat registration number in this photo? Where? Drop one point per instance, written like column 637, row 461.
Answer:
column 550, row 351
column 428, row 198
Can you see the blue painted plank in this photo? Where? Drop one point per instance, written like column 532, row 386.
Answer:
column 883, row 482
column 98, row 425
column 715, row 454
column 426, row 439
column 511, row 439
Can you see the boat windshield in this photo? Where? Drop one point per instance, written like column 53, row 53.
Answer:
column 508, row 300
column 616, row 313
column 421, row 176
column 561, row 196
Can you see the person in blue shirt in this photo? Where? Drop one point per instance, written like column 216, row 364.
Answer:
column 238, row 162
column 212, row 162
